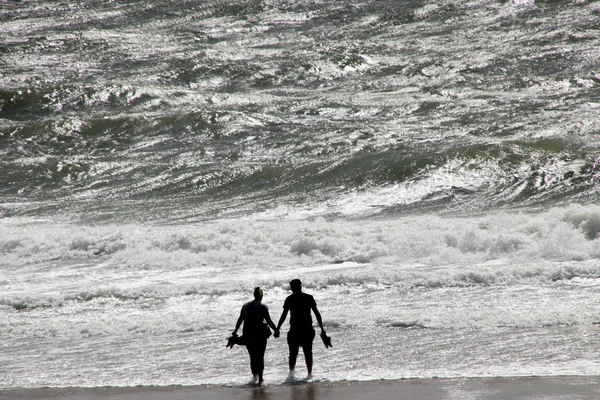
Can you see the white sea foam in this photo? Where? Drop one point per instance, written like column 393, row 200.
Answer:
column 86, row 262
column 406, row 297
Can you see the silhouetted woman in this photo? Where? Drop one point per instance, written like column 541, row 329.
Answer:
column 255, row 316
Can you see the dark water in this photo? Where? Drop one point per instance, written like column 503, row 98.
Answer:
column 190, row 110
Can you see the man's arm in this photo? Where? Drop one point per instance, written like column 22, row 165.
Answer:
column 318, row 316
column 282, row 318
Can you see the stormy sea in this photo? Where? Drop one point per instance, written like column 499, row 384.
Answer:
column 430, row 170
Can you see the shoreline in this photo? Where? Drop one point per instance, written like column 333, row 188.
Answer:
column 572, row 387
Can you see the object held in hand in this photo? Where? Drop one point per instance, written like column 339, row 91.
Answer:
column 235, row 339
column 326, row 339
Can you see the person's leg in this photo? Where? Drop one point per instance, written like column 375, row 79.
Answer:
column 307, row 350
column 260, row 359
column 308, row 357
column 294, row 348
column 252, row 351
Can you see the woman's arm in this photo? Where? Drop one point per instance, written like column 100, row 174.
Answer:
column 270, row 321
column 239, row 321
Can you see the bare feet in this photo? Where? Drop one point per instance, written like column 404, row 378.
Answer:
column 291, row 377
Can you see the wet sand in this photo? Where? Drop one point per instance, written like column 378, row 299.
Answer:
column 531, row 388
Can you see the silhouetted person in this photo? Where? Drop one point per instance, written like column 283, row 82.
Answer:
column 301, row 333
column 254, row 314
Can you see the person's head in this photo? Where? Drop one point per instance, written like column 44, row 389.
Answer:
column 296, row 286
column 258, row 293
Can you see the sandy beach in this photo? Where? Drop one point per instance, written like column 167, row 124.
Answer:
column 531, row 388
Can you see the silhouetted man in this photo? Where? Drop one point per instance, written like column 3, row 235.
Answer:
column 301, row 333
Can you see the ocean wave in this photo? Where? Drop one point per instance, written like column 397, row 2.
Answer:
column 231, row 176
column 204, row 106
column 560, row 234
column 136, row 263
column 146, row 293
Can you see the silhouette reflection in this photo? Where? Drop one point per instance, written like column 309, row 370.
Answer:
column 296, row 392
column 260, row 393
column 304, row 392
